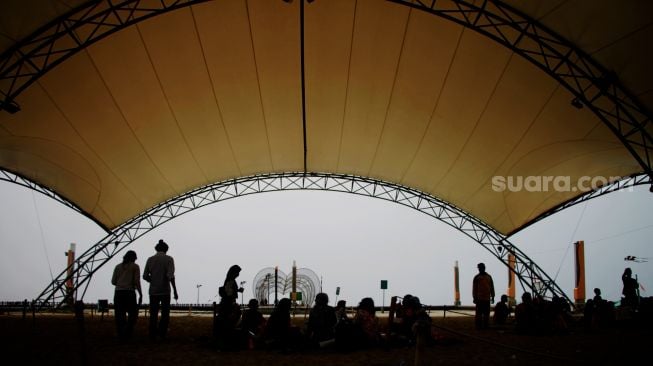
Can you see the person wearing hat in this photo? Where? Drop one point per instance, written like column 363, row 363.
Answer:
column 160, row 273
column 483, row 294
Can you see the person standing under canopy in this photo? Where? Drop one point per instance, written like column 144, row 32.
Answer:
column 160, row 273
column 630, row 289
column 483, row 295
column 127, row 279
column 228, row 310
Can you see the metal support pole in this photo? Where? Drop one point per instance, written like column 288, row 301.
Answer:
column 456, row 285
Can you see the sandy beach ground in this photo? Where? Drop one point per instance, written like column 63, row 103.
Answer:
column 59, row 339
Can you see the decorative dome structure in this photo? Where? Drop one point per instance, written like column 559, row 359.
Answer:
column 265, row 282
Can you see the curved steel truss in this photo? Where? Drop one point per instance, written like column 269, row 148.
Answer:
column 621, row 184
column 590, row 83
column 60, row 39
column 10, row 177
column 529, row 273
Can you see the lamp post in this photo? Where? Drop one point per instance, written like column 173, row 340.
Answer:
column 198, row 293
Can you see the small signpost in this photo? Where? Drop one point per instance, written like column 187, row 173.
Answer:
column 337, row 293
column 296, row 296
column 384, row 286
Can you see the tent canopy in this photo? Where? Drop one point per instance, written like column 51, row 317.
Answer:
column 213, row 91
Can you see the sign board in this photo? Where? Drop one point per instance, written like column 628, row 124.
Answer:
column 298, row 296
column 384, row 284
column 337, row 290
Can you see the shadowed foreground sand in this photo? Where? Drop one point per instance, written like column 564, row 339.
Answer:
column 55, row 340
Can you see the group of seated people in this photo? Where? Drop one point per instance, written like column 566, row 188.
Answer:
column 333, row 327
column 538, row 315
column 326, row 326
column 535, row 315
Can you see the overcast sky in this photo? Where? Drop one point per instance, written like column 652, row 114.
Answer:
column 352, row 242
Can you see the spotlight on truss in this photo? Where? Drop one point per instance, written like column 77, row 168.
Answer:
column 577, row 103
column 10, row 106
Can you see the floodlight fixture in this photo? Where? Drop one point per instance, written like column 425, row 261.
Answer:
column 10, row 106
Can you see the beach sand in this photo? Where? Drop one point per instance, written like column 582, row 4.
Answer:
column 59, row 339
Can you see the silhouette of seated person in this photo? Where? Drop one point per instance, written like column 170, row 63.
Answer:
column 279, row 332
column 557, row 315
column 252, row 324
column 598, row 313
column 588, row 313
column 526, row 315
column 502, row 311
column 345, row 335
column 413, row 321
column 550, row 315
column 401, row 328
column 341, row 311
column 320, row 327
column 366, row 324
column 630, row 289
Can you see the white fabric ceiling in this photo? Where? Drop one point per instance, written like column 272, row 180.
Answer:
column 213, row 91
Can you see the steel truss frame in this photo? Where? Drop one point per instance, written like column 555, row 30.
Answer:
column 530, row 274
column 10, row 177
column 62, row 38
column 624, row 183
column 587, row 80
column 95, row 257
column 590, row 83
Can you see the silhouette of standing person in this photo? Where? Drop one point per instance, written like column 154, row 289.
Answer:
column 160, row 273
column 630, row 288
column 127, row 280
column 228, row 310
column 483, row 294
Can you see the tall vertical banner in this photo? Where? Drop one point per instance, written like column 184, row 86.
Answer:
column 579, row 290
column 70, row 254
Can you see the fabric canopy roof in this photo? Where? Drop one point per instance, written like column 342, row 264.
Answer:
column 212, row 91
